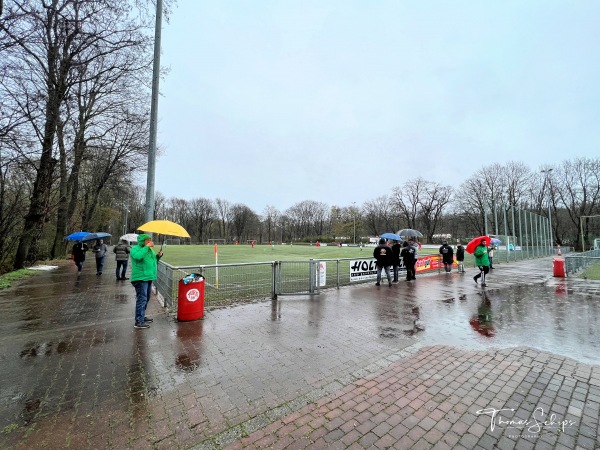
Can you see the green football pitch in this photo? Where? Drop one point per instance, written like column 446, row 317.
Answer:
column 188, row 255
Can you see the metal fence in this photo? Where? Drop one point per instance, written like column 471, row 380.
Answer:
column 227, row 284
column 579, row 261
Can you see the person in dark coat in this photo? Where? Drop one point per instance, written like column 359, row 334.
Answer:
column 408, row 257
column 447, row 256
column 460, row 257
column 78, row 254
column 396, row 253
column 384, row 256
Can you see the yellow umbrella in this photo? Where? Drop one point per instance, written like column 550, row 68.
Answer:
column 164, row 227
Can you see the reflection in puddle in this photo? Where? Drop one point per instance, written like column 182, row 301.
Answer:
column 548, row 318
column 189, row 339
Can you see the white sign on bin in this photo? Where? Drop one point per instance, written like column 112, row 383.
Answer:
column 192, row 295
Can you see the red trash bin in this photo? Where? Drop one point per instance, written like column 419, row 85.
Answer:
column 559, row 267
column 190, row 300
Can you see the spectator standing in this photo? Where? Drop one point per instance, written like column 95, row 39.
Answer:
column 482, row 261
column 460, row 257
column 408, row 257
column 100, row 250
column 144, row 262
column 384, row 256
column 121, row 251
column 491, row 255
column 78, row 254
column 416, row 247
column 396, row 247
column 447, row 256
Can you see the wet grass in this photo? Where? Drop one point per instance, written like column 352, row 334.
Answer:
column 7, row 279
column 591, row 272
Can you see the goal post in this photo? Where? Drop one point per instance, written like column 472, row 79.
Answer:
column 216, row 241
column 172, row 241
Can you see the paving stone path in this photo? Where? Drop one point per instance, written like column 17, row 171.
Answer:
column 340, row 370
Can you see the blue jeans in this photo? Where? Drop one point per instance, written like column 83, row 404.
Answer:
column 99, row 264
column 79, row 265
column 387, row 273
column 123, row 265
column 143, row 292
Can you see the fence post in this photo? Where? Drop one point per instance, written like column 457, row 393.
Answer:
column 274, row 276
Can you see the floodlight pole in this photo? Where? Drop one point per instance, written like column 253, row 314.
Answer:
column 546, row 172
column 354, row 217
column 153, row 115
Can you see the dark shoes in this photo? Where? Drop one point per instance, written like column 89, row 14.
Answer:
column 377, row 284
column 483, row 285
column 141, row 325
column 475, row 280
column 390, row 284
column 148, row 320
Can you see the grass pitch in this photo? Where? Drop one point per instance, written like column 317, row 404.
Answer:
column 187, row 255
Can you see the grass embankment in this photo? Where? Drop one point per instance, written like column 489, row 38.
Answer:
column 9, row 278
column 591, row 272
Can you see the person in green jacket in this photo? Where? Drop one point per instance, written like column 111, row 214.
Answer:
column 144, row 262
column 482, row 261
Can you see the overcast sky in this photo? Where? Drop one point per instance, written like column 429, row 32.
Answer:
column 276, row 102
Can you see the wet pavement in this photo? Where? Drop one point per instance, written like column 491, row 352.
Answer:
column 359, row 367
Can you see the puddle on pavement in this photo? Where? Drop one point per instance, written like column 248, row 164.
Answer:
column 550, row 318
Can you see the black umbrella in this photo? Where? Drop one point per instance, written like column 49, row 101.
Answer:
column 408, row 232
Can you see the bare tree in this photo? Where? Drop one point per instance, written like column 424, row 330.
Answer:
column 53, row 41
column 578, row 188
column 270, row 219
column 202, row 214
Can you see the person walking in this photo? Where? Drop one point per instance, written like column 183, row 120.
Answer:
column 396, row 247
column 447, row 256
column 384, row 256
column 78, row 255
column 460, row 258
column 408, row 257
column 144, row 262
column 121, row 251
column 482, row 261
column 100, row 250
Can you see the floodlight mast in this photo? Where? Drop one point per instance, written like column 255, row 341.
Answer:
column 153, row 115
column 546, row 173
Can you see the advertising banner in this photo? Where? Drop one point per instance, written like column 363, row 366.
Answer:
column 366, row 269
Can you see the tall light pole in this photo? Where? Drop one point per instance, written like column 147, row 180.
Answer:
column 125, row 224
column 153, row 115
column 354, row 217
column 546, row 173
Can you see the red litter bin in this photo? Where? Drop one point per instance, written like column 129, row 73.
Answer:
column 190, row 301
column 559, row 267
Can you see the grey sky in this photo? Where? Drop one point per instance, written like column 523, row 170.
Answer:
column 275, row 102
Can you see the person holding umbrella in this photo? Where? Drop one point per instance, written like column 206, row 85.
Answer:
column 78, row 255
column 482, row 261
column 144, row 262
column 100, row 250
column 396, row 247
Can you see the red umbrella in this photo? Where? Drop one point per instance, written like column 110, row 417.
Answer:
column 470, row 248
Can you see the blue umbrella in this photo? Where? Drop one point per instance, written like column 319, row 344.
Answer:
column 391, row 236
column 77, row 236
column 95, row 236
column 495, row 241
